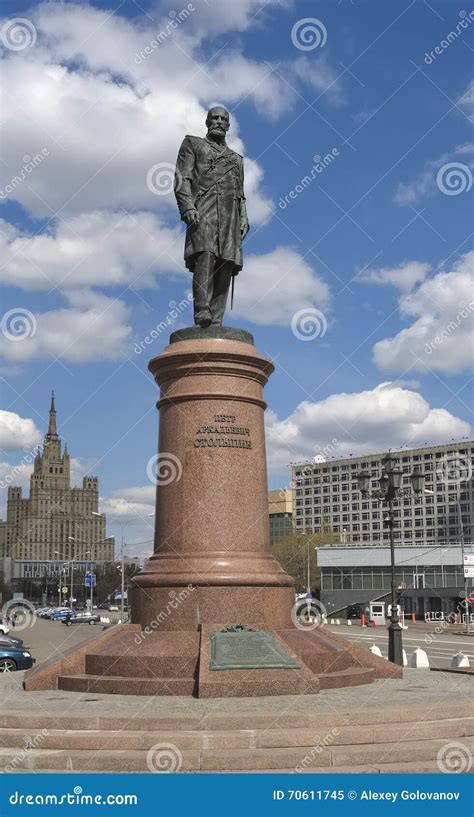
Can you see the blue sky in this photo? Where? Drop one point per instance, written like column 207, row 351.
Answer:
column 370, row 323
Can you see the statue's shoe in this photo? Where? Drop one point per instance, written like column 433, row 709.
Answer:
column 203, row 321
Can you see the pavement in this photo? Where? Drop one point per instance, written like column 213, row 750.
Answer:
column 439, row 642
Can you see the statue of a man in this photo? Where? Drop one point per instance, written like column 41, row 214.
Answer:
column 209, row 189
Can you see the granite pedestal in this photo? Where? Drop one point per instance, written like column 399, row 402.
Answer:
column 212, row 566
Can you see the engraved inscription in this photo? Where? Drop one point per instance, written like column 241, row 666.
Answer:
column 252, row 649
column 223, row 432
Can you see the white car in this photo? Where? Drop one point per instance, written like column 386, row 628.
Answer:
column 113, row 608
column 4, row 628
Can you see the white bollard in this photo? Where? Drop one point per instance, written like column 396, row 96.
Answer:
column 338, row 620
column 332, row 621
column 460, row 660
column 405, row 659
column 419, row 659
column 349, row 622
column 376, row 650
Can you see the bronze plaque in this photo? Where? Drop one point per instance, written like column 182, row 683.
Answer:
column 241, row 647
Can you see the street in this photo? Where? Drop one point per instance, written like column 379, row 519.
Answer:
column 46, row 639
column 440, row 643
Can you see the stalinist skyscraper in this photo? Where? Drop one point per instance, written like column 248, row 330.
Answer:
column 43, row 527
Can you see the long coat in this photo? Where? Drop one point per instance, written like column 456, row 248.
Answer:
column 210, row 179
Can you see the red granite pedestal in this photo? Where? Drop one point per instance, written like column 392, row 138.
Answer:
column 212, row 565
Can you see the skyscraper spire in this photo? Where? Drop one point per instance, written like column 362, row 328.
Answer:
column 52, row 430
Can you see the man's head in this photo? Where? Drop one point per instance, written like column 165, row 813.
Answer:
column 217, row 121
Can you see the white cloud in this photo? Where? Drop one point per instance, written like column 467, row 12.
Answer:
column 424, row 185
column 17, row 432
column 358, row 423
column 441, row 336
column 273, row 286
column 94, row 327
column 403, row 277
column 106, row 115
column 319, row 75
column 134, row 503
column 98, row 248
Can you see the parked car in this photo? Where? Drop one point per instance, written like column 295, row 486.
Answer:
column 59, row 614
column 10, row 641
column 15, row 658
column 4, row 628
column 81, row 618
column 113, row 608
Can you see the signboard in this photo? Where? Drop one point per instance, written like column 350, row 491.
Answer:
column 64, row 589
column 469, row 558
column 87, row 580
column 469, row 572
column 118, row 595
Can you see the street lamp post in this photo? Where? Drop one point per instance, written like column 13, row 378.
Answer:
column 122, row 526
column 71, row 563
column 390, row 488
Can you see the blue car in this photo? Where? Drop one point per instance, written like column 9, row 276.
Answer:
column 62, row 614
column 13, row 658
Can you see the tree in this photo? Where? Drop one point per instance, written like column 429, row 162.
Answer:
column 292, row 553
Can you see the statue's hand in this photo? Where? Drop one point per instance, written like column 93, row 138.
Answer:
column 244, row 228
column 191, row 217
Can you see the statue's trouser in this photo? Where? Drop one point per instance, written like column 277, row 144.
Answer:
column 211, row 281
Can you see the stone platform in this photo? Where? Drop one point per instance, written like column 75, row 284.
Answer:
column 393, row 725
column 125, row 661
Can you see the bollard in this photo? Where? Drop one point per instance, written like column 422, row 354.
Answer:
column 419, row 659
column 332, row 621
column 362, row 620
column 376, row 650
column 413, row 617
column 405, row 659
column 460, row 660
column 338, row 620
column 349, row 622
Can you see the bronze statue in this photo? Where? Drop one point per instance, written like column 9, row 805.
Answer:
column 209, row 189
